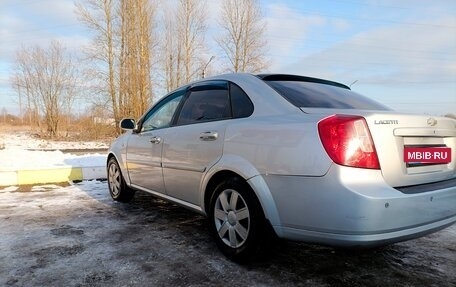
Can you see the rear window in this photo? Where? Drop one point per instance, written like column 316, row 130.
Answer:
column 316, row 95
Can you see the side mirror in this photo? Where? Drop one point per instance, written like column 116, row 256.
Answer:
column 127, row 124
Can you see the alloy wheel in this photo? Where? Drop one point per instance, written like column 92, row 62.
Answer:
column 232, row 218
column 114, row 179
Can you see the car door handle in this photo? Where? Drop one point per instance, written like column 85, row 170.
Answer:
column 155, row 140
column 208, row 136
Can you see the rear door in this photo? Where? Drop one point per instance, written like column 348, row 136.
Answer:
column 195, row 143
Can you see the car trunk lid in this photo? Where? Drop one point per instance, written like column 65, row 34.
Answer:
column 393, row 133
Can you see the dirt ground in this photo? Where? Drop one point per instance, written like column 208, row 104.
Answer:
column 77, row 236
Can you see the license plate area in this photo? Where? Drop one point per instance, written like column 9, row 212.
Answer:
column 426, row 155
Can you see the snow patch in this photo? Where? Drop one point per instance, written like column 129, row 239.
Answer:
column 24, row 140
column 21, row 152
column 9, row 189
column 18, row 159
column 45, row 187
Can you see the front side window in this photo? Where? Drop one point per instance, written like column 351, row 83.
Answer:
column 162, row 115
column 208, row 102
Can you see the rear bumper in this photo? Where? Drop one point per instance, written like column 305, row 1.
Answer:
column 355, row 207
column 364, row 240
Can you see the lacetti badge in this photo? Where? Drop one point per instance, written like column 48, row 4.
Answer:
column 427, row 155
column 386, row 122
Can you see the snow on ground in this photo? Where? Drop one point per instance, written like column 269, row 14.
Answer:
column 19, row 159
column 37, row 187
column 15, row 153
column 24, row 140
column 9, row 188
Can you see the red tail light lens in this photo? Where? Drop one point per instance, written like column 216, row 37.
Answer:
column 348, row 142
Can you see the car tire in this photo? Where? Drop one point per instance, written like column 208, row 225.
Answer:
column 117, row 187
column 236, row 220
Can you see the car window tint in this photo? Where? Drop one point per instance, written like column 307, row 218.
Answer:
column 205, row 105
column 240, row 102
column 315, row 95
column 162, row 115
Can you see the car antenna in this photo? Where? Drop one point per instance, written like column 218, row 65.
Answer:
column 352, row 83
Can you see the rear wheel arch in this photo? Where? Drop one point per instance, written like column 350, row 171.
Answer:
column 257, row 186
column 239, row 225
column 223, row 175
column 215, row 180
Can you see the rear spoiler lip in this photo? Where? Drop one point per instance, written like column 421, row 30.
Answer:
column 287, row 77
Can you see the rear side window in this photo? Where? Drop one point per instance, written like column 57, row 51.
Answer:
column 205, row 103
column 240, row 102
column 316, row 95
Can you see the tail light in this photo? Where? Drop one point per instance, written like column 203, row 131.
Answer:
column 348, row 142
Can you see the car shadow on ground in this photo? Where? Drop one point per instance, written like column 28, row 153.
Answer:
column 283, row 262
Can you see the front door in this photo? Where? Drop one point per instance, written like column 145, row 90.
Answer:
column 144, row 151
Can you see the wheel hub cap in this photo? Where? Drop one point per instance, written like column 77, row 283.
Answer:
column 232, row 219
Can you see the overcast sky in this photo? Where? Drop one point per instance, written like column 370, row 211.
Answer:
column 399, row 52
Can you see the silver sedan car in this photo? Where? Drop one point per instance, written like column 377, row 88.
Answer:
column 297, row 157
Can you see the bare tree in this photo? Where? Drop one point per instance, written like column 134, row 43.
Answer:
column 183, row 32
column 191, row 19
column 169, row 54
column 135, row 57
column 242, row 39
column 21, row 82
column 122, row 49
column 4, row 114
column 101, row 17
column 48, row 77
